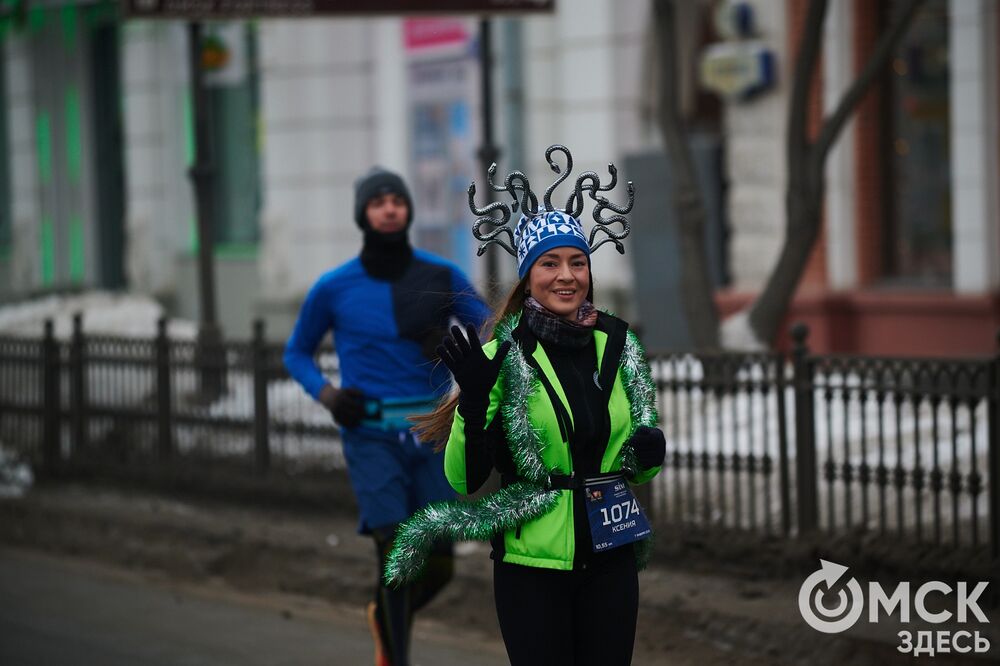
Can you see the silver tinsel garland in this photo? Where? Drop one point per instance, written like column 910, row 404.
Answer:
column 641, row 391
column 521, row 502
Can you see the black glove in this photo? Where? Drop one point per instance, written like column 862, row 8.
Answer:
column 347, row 405
column 649, row 445
column 474, row 373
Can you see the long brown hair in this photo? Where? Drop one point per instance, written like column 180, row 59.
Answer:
column 436, row 426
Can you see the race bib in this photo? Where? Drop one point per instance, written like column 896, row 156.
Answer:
column 615, row 515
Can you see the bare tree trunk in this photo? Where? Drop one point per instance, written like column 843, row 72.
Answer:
column 807, row 160
column 696, row 284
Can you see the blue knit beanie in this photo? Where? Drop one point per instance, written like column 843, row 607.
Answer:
column 547, row 230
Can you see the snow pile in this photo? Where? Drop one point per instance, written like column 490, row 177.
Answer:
column 130, row 316
column 104, row 313
column 736, row 334
column 311, row 441
column 700, row 423
column 15, row 476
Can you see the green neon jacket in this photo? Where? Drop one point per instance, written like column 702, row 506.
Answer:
column 548, row 541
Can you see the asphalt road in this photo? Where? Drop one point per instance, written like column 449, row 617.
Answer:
column 63, row 612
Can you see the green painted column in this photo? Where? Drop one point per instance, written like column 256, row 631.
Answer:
column 46, row 236
column 74, row 169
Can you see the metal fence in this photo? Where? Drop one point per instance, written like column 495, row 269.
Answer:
column 728, row 456
column 98, row 400
column 762, row 442
column 902, row 446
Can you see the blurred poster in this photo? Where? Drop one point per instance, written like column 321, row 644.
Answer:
column 443, row 74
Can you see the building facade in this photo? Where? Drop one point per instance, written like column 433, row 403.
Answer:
column 97, row 123
column 909, row 258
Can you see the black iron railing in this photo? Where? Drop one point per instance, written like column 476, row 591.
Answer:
column 902, row 445
column 727, row 458
column 761, row 442
column 147, row 402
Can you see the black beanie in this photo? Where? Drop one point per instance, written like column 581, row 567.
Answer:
column 376, row 182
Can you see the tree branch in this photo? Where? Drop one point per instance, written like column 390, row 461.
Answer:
column 805, row 67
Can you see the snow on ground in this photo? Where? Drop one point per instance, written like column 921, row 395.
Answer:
column 287, row 403
column 104, row 313
column 697, row 423
column 15, row 475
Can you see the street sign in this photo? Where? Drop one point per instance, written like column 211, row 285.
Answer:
column 737, row 69
column 224, row 9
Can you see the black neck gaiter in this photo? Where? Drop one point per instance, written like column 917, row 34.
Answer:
column 386, row 256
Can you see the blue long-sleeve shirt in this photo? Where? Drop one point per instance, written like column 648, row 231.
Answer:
column 381, row 328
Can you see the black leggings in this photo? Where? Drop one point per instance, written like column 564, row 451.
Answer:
column 568, row 618
column 395, row 606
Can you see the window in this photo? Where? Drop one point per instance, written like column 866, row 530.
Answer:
column 918, row 168
column 5, row 198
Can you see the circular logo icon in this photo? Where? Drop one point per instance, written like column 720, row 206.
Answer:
column 813, row 609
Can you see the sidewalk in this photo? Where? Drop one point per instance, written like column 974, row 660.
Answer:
column 685, row 617
column 48, row 616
